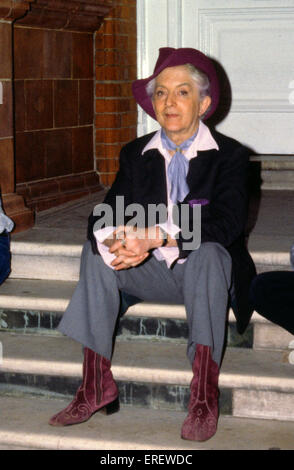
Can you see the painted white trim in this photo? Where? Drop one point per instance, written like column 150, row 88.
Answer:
column 252, row 40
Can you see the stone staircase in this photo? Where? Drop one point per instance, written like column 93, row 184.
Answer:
column 149, row 363
column 276, row 171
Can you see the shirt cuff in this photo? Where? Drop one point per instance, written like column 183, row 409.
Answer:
column 103, row 233
column 5, row 223
column 170, row 228
column 100, row 236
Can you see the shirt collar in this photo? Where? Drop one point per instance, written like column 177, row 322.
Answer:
column 203, row 141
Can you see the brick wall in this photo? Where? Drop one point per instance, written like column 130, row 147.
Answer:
column 116, row 112
column 54, row 93
column 68, row 96
column 6, row 115
column 13, row 204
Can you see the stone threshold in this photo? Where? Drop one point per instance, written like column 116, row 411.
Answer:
column 24, row 425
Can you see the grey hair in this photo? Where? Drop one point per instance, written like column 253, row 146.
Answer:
column 199, row 78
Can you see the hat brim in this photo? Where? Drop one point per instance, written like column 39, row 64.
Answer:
column 169, row 57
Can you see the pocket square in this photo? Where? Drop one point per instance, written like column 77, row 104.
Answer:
column 201, row 202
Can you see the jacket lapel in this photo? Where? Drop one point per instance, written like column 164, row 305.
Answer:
column 200, row 167
column 152, row 177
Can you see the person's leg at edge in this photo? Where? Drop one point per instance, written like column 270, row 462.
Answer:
column 4, row 257
column 272, row 296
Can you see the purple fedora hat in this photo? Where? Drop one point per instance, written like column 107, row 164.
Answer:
column 170, row 57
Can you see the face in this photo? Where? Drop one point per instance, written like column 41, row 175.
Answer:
column 177, row 104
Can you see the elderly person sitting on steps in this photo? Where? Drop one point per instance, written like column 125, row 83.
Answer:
column 182, row 166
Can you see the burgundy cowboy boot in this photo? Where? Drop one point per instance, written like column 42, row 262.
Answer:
column 98, row 392
column 201, row 422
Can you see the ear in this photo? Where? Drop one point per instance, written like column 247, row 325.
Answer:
column 204, row 105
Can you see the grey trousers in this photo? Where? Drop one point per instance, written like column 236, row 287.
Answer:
column 201, row 284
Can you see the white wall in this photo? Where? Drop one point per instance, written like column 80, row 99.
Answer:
column 254, row 42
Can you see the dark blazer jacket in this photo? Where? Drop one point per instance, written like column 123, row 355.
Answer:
column 218, row 176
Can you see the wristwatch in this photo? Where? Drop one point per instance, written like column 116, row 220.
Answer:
column 164, row 237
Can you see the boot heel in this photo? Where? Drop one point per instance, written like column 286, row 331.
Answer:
column 111, row 408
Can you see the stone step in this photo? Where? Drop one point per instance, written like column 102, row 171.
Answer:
column 270, row 252
column 276, row 171
column 55, row 256
column 50, row 258
column 24, row 427
column 52, row 249
column 255, row 384
column 32, row 306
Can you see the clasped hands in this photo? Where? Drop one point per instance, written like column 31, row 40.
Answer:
column 132, row 245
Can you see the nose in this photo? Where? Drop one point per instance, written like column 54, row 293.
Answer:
column 170, row 99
